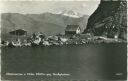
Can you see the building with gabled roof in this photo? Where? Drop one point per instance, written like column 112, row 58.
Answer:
column 72, row 29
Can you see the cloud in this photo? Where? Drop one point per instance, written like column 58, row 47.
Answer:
column 84, row 5
column 36, row 7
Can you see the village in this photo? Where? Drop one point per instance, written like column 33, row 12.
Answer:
column 72, row 36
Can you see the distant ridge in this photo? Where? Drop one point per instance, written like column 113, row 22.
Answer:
column 47, row 23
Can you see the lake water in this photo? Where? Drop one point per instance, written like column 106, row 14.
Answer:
column 99, row 61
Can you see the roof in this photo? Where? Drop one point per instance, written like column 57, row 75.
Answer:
column 18, row 32
column 72, row 27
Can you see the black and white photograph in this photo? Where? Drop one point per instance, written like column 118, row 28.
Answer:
column 63, row 40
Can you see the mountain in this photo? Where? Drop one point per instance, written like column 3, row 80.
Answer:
column 70, row 13
column 109, row 19
column 48, row 23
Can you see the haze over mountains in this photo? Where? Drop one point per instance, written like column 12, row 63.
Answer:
column 48, row 23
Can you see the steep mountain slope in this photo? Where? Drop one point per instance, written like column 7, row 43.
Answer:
column 109, row 19
column 48, row 23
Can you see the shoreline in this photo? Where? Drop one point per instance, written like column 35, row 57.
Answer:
column 86, row 44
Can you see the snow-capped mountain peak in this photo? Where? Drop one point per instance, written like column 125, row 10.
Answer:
column 69, row 13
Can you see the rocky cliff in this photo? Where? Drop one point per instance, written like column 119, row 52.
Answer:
column 109, row 19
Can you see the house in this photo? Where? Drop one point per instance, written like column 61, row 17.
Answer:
column 72, row 29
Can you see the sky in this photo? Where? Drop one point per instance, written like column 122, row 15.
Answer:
column 37, row 7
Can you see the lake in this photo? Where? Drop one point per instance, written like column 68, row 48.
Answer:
column 91, row 61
